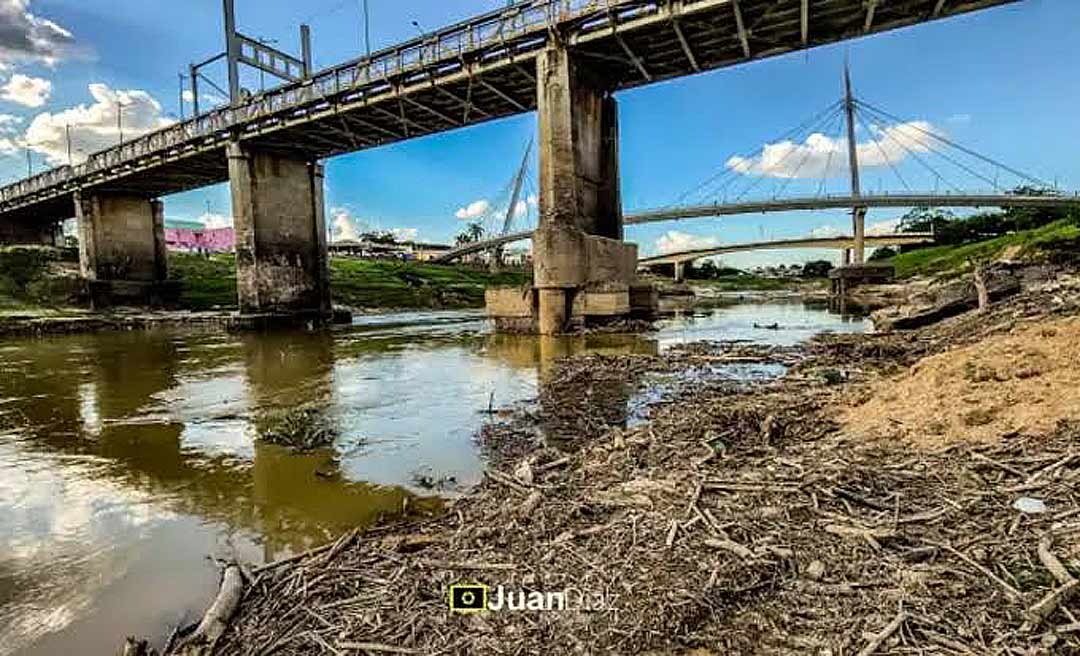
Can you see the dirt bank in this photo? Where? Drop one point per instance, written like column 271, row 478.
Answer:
column 738, row 519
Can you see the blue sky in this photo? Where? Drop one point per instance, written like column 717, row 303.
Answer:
column 1004, row 81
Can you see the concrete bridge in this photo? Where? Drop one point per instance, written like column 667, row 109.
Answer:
column 844, row 243
column 794, row 204
column 563, row 58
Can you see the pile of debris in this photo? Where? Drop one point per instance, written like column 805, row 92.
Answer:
column 736, row 520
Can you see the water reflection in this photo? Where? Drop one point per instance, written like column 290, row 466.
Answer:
column 127, row 457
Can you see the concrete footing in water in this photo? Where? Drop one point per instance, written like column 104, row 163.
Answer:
column 843, row 279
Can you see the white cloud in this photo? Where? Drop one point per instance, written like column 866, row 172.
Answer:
column 405, row 234
column 822, row 156
column 473, row 210
column 827, row 231
column 25, row 90
column 889, row 227
column 960, row 118
column 342, row 225
column 24, row 36
column 215, row 220
column 674, row 241
column 521, row 210
column 206, row 99
column 94, row 127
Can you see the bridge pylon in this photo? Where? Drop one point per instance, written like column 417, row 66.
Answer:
column 581, row 267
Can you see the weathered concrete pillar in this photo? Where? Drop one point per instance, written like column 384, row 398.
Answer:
column 34, row 233
column 121, row 237
column 281, row 258
column 680, row 271
column 579, row 186
column 859, row 219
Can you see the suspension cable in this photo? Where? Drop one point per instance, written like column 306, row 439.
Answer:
column 758, row 180
column 959, row 147
column 813, row 120
column 884, row 155
column 895, row 136
column 947, row 158
column 806, row 156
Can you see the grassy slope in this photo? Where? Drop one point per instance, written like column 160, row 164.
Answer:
column 1058, row 237
column 210, row 282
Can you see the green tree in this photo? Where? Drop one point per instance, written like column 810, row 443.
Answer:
column 816, row 269
column 471, row 234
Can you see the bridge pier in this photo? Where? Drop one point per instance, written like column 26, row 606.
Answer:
column 680, row 272
column 48, row 233
column 581, row 266
column 281, row 258
column 121, row 247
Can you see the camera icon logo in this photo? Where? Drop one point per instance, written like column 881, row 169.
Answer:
column 468, row 597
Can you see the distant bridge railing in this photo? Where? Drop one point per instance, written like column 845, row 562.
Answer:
column 794, row 204
column 845, row 202
column 839, row 241
column 362, row 76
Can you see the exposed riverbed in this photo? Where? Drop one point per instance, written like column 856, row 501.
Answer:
column 127, row 458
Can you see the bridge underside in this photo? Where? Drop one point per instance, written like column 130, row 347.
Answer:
column 483, row 69
column 627, row 44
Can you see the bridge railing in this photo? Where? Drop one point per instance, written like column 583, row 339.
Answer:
column 444, row 45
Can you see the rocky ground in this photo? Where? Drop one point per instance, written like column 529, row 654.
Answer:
column 897, row 493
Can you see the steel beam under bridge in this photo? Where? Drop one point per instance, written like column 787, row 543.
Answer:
column 477, row 70
column 780, row 244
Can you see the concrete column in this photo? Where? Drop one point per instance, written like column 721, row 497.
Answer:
column 680, row 271
column 121, row 237
column 845, row 257
column 281, row 258
column 859, row 218
column 579, row 181
column 35, row 233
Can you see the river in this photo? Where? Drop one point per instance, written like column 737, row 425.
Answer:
column 128, row 460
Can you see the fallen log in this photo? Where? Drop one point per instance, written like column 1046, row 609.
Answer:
column 216, row 620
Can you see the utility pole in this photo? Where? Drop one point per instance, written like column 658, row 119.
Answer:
column 232, row 51
column 120, row 120
column 194, row 90
column 262, row 73
column 367, row 28
column 858, row 214
column 181, row 97
column 67, row 132
column 29, row 164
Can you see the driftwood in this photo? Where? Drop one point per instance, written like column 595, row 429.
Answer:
column 982, row 294
column 1037, row 614
column 884, row 634
column 952, row 301
column 217, row 617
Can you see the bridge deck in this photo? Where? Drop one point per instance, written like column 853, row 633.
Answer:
column 781, row 244
column 478, row 70
column 795, row 204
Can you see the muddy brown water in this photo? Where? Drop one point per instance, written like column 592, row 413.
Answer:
column 128, row 460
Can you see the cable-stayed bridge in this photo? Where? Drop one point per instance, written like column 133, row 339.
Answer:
column 824, row 149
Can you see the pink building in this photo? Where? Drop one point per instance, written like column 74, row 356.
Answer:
column 200, row 240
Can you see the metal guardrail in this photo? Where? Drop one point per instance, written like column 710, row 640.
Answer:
column 451, row 43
